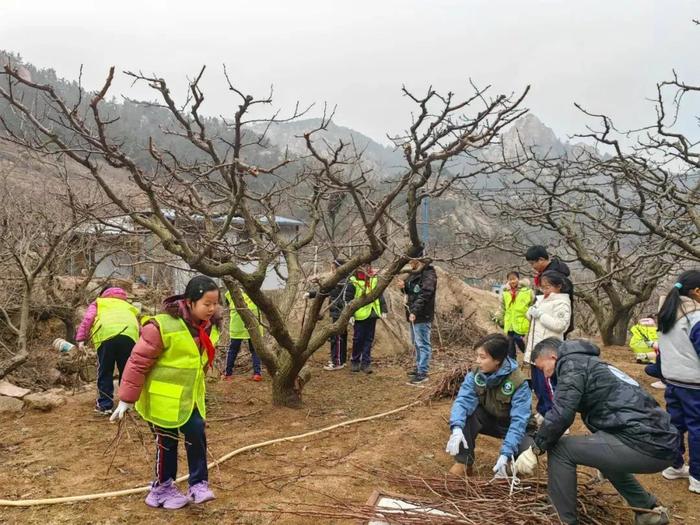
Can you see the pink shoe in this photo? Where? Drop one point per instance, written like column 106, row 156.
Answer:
column 256, row 377
column 200, row 493
column 166, row 495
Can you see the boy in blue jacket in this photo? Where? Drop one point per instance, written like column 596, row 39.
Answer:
column 495, row 400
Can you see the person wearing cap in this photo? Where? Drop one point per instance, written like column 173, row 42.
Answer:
column 629, row 432
column 341, row 294
column 420, row 288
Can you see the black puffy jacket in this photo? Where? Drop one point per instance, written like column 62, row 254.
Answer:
column 420, row 289
column 608, row 400
column 341, row 294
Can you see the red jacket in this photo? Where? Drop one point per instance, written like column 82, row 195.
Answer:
column 149, row 347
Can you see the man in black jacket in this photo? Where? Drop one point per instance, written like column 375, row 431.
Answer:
column 420, row 288
column 341, row 294
column 630, row 433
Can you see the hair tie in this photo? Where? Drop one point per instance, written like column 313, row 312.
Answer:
column 678, row 285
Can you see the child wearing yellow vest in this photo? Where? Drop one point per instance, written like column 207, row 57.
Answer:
column 164, row 381
column 110, row 323
column 239, row 333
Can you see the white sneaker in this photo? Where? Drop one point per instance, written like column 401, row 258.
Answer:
column 332, row 366
column 676, row 473
column 659, row 385
column 694, row 484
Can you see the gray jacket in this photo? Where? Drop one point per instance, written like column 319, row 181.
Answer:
column 679, row 356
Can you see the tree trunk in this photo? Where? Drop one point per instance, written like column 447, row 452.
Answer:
column 288, row 383
column 614, row 330
column 22, row 354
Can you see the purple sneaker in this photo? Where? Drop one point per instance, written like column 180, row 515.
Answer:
column 200, row 492
column 166, row 495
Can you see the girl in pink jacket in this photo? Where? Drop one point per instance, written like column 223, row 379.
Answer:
column 111, row 324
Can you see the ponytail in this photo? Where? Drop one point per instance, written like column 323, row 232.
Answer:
column 668, row 313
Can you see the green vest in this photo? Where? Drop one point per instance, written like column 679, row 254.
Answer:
column 496, row 399
column 236, row 326
column 175, row 384
column 114, row 317
column 364, row 312
column 514, row 319
column 640, row 335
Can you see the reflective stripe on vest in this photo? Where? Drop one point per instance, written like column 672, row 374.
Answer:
column 114, row 317
column 175, row 384
column 364, row 312
column 236, row 326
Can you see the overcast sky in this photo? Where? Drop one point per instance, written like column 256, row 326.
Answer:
column 606, row 55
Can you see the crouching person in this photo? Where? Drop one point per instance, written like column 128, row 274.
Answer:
column 164, row 381
column 631, row 434
column 495, row 400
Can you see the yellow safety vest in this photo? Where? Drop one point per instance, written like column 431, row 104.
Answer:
column 640, row 335
column 364, row 312
column 236, row 326
column 176, row 382
column 114, row 317
column 514, row 319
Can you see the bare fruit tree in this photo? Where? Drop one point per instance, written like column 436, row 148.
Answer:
column 217, row 207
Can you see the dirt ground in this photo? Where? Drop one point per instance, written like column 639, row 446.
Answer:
column 68, row 452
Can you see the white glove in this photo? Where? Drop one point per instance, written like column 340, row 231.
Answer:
column 650, row 344
column 81, row 345
column 122, row 408
column 351, row 322
column 453, row 443
column 533, row 313
column 307, row 295
column 526, row 462
column 500, row 467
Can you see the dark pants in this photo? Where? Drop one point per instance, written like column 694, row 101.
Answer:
column 339, row 348
column 233, row 350
column 115, row 351
column 683, row 404
column 481, row 422
column 195, row 446
column 514, row 340
column 362, row 339
column 615, row 460
column 543, row 388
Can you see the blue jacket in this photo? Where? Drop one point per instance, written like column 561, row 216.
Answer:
column 520, row 406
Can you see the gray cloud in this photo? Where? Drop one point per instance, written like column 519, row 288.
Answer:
column 606, row 55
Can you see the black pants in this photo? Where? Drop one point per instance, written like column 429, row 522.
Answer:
column 115, row 351
column 481, row 422
column 362, row 339
column 514, row 340
column 339, row 348
column 615, row 460
column 195, row 445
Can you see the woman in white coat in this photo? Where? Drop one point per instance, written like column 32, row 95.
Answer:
column 550, row 316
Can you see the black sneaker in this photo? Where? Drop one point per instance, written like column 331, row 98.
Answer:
column 412, row 373
column 418, row 379
column 354, row 367
column 367, row 369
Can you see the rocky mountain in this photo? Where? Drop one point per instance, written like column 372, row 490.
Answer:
column 290, row 135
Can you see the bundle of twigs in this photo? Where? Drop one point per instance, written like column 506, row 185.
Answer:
column 447, row 385
column 441, row 500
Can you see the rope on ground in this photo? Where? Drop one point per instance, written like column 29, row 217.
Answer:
column 225, row 457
